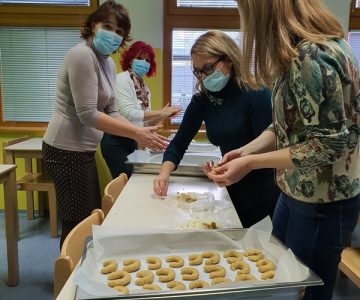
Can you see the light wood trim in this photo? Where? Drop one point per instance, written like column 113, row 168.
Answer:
column 354, row 18
column 173, row 9
column 45, row 15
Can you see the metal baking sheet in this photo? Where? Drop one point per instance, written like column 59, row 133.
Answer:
column 275, row 291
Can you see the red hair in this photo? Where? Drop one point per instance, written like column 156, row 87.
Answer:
column 134, row 50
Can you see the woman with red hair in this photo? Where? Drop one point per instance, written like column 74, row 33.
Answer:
column 133, row 98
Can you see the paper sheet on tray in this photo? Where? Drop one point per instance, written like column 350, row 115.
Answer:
column 119, row 244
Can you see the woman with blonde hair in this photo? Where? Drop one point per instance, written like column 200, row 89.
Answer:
column 313, row 141
column 233, row 115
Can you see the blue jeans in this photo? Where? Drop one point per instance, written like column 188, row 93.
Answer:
column 317, row 234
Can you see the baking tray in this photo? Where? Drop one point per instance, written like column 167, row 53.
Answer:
column 190, row 165
column 154, row 168
column 275, row 291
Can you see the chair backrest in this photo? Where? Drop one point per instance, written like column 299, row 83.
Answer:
column 72, row 249
column 112, row 192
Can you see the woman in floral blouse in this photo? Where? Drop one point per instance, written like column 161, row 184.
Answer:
column 313, row 141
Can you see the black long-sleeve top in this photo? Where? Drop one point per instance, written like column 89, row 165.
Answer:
column 233, row 117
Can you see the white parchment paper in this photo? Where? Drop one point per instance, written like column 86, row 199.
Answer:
column 114, row 243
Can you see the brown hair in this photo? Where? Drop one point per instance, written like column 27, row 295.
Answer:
column 218, row 44
column 274, row 29
column 103, row 14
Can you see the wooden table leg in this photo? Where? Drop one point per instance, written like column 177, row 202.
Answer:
column 11, row 228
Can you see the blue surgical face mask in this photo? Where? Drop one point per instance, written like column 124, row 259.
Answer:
column 140, row 67
column 216, row 81
column 106, row 42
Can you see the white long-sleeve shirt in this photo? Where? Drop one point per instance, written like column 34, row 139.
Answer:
column 129, row 105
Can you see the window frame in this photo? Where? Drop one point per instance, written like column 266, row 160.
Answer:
column 354, row 18
column 45, row 15
column 189, row 18
column 40, row 16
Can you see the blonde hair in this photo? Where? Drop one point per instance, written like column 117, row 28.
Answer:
column 218, row 44
column 274, row 29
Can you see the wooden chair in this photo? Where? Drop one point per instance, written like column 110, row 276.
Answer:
column 112, row 192
column 72, row 249
column 350, row 263
column 35, row 181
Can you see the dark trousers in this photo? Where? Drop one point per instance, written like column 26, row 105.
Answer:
column 254, row 199
column 76, row 183
column 115, row 150
column 317, row 234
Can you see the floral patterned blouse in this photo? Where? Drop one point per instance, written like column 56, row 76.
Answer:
column 316, row 112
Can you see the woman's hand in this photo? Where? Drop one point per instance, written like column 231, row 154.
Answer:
column 243, row 151
column 160, row 185
column 230, row 156
column 147, row 137
column 230, row 172
column 169, row 111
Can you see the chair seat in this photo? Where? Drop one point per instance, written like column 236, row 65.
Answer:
column 350, row 264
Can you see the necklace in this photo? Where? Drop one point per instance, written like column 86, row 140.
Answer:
column 214, row 100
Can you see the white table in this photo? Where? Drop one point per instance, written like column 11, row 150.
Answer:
column 30, row 148
column 138, row 207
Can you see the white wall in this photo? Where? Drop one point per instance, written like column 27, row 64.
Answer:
column 341, row 9
column 146, row 20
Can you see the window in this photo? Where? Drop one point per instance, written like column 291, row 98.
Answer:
column 184, row 21
column 354, row 28
column 34, row 37
column 183, row 80
column 29, row 62
column 47, row 2
column 207, row 4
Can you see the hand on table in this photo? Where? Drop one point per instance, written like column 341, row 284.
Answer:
column 160, row 185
